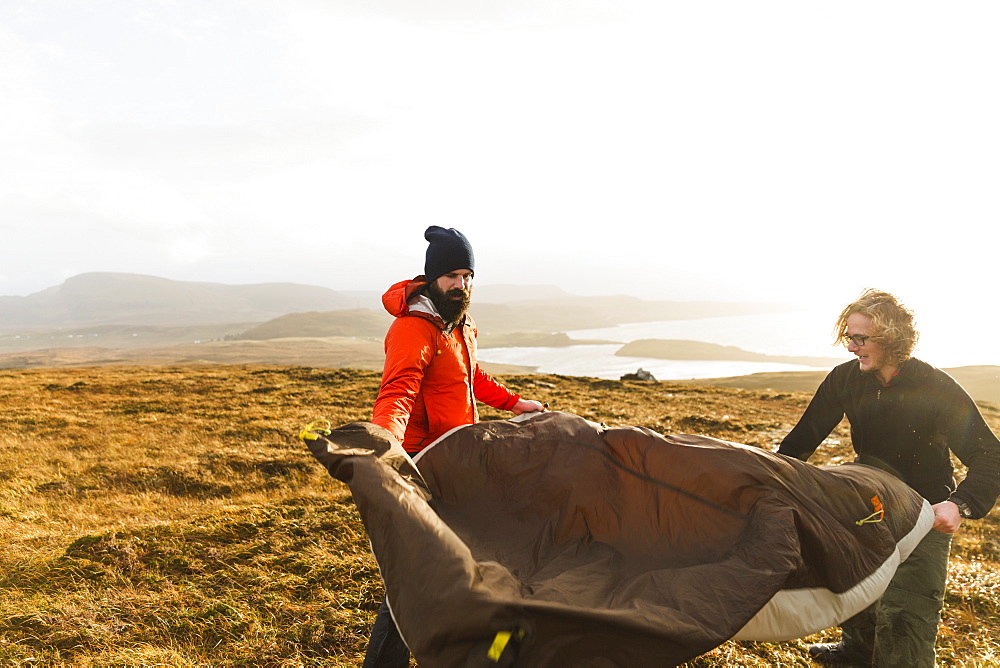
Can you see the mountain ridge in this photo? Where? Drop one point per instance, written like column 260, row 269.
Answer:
column 107, row 298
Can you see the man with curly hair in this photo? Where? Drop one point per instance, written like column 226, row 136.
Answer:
column 906, row 417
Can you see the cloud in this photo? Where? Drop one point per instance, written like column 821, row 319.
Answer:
column 679, row 150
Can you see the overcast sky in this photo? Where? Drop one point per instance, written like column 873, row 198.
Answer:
column 677, row 150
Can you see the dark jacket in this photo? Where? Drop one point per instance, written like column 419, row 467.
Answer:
column 907, row 428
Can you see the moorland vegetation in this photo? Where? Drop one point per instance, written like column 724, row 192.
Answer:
column 170, row 516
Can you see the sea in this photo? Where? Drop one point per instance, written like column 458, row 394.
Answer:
column 798, row 334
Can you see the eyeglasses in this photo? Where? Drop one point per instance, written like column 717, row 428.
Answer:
column 856, row 339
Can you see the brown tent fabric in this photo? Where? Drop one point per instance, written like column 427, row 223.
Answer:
column 555, row 541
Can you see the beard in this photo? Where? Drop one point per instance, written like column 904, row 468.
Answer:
column 451, row 305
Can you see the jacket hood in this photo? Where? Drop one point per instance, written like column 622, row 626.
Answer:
column 396, row 299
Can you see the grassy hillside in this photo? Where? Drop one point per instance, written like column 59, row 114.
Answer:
column 325, row 352
column 126, row 337
column 169, row 516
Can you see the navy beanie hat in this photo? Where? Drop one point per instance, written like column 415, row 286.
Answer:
column 447, row 250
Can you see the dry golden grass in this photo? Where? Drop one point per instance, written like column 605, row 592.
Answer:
column 170, row 516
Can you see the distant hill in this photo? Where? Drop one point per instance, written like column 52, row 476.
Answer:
column 575, row 312
column 357, row 323
column 534, row 339
column 524, row 320
column 677, row 349
column 496, row 321
column 135, row 299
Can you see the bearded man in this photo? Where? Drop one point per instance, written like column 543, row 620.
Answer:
column 431, row 379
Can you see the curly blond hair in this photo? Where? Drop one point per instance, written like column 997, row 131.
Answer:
column 892, row 323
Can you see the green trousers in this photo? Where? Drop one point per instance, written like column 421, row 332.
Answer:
column 900, row 629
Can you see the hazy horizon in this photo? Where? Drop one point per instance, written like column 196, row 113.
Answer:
column 798, row 329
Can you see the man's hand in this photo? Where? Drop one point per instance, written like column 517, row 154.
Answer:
column 946, row 517
column 526, row 406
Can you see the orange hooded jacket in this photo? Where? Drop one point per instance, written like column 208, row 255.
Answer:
column 431, row 379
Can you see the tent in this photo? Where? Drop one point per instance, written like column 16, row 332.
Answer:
column 553, row 540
